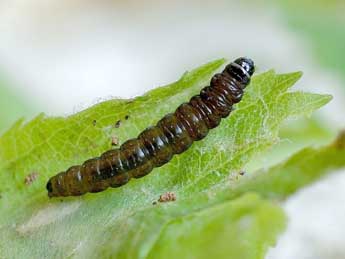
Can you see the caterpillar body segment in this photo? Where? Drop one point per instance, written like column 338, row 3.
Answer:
column 156, row 145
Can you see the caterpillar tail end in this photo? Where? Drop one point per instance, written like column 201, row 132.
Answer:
column 49, row 188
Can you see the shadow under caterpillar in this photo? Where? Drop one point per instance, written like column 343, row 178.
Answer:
column 156, row 145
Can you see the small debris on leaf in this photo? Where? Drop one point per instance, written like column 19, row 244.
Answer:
column 114, row 141
column 242, row 172
column 29, row 179
column 118, row 124
column 167, row 197
column 126, row 117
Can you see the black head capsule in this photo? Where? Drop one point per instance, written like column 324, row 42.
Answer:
column 241, row 69
column 247, row 64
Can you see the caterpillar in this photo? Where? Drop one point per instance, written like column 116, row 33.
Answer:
column 156, row 145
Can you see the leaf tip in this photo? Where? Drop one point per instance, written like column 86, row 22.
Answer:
column 328, row 97
column 325, row 99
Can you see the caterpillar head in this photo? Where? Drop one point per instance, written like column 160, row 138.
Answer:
column 247, row 64
column 241, row 69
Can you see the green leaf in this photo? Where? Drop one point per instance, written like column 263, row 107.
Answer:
column 294, row 135
column 123, row 222
column 303, row 168
column 242, row 226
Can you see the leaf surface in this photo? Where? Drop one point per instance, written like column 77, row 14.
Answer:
column 123, row 222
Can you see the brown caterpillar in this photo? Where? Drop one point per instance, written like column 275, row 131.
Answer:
column 156, row 145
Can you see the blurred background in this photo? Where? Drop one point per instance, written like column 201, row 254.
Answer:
column 59, row 57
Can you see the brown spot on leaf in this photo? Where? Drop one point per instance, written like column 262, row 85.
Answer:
column 29, row 179
column 167, row 197
column 339, row 143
